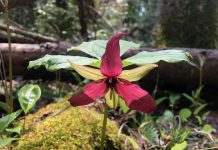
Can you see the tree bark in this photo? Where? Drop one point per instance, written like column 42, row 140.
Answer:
column 82, row 18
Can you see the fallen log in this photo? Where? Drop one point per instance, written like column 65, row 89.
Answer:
column 176, row 77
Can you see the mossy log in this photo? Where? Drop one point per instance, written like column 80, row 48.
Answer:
column 60, row 126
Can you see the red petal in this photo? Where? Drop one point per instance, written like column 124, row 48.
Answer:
column 90, row 92
column 135, row 97
column 111, row 62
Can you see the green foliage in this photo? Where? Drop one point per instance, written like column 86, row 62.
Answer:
column 28, row 96
column 60, row 126
column 180, row 146
column 123, row 105
column 15, row 129
column 207, row 129
column 4, row 106
column 56, row 62
column 189, row 23
column 184, row 114
column 142, row 18
column 6, row 141
column 171, row 56
column 7, row 120
column 57, row 21
column 96, row 48
column 150, row 133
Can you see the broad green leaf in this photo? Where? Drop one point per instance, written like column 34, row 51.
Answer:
column 180, row 146
column 56, row 62
column 96, row 48
column 4, row 106
column 15, row 129
column 6, row 120
column 171, row 56
column 123, row 105
column 207, row 128
column 6, row 141
column 28, row 96
column 137, row 73
column 87, row 72
column 184, row 114
column 112, row 99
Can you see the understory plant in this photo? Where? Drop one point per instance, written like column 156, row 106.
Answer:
column 27, row 96
column 111, row 82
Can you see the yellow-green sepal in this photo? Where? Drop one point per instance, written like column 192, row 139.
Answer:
column 87, row 72
column 111, row 99
column 137, row 73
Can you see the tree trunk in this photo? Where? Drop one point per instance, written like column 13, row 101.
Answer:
column 82, row 18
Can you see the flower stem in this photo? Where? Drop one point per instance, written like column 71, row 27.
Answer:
column 104, row 127
column 10, row 100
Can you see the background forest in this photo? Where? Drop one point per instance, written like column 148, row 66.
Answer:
column 184, row 85
column 157, row 23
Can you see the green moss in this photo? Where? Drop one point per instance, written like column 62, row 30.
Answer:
column 74, row 128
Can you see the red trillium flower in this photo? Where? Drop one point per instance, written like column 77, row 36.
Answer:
column 112, row 82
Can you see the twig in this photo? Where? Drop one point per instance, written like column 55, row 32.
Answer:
column 6, row 13
column 35, row 36
column 3, row 76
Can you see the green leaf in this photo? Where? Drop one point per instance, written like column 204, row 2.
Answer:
column 4, row 106
column 205, row 115
column 28, row 96
column 56, row 62
column 207, row 128
column 96, row 48
column 189, row 97
column 123, row 105
column 166, row 116
column 171, row 56
column 198, row 109
column 15, row 129
column 160, row 100
column 184, row 114
column 6, row 141
column 199, row 120
column 180, row 146
column 6, row 120
column 174, row 97
column 198, row 92
column 133, row 142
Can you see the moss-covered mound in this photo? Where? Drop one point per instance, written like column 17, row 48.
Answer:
column 71, row 129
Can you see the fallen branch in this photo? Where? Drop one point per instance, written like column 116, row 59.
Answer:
column 37, row 37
